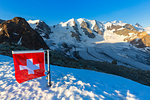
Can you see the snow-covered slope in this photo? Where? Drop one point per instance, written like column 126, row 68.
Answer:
column 41, row 27
column 71, row 32
column 33, row 23
column 70, row 84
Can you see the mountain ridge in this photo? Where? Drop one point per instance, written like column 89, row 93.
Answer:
column 17, row 31
column 91, row 39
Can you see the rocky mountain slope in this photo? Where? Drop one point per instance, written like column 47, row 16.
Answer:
column 93, row 40
column 41, row 27
column 18, row 32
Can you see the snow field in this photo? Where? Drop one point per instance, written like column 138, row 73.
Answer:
column 69, row 84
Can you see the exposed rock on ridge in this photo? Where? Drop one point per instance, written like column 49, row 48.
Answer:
column 86, row 30
column 43, row 29
column 17, row 31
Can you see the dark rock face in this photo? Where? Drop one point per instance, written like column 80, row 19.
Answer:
column 1, row 21
column 114, row 27
column 75, row 27
column 138, row 25
column 97, row 29
column 43, row 29
column 86, row 30
column 124, row 32
column 129, row 27
column 77, row 36
column 17, row 31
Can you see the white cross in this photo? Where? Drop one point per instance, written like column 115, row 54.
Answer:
column 30, row 67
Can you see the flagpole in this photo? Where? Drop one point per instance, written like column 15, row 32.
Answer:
column 48, row 74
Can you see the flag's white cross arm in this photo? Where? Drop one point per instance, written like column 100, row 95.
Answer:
column 30, row 67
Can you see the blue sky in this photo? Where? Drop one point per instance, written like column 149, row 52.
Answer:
column 55, row 11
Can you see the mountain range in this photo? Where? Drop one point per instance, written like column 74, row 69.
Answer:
column 81, row 38
column 112, row 47
column 128, row 44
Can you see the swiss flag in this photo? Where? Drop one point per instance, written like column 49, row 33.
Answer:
column 28, row 65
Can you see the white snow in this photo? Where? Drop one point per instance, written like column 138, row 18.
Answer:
column 15, row 33
column 120, row 29
column 120, row 23
column 131, row 34
column 110, row 23
column 69, row 84
column 69, row 22
column 80, row 20
column 33, row 23
column 19, row 42
column 93, row 22
column 0, row 29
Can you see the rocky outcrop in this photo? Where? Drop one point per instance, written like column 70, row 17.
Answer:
column 129, row 27
column 142, row 40
column 76, row 35
column 43, row 29
column 97, row 29
column 115, row 27
column 18, row 31
column 125, row 32
column 138, row 25
column 137, row 38
column 86, row 30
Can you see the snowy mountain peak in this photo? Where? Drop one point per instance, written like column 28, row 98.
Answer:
column 80, row 20
column 138, row 25
column 34, row 21
column 73, row 22
column 116, row 21
column 41, row 27
column 70, row 22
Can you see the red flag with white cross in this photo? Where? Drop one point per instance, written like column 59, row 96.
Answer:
column 28, row 65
